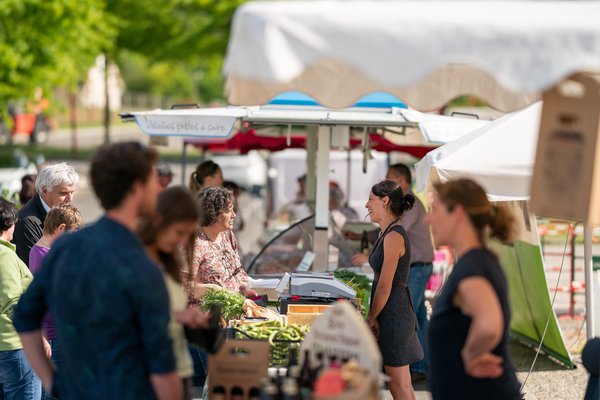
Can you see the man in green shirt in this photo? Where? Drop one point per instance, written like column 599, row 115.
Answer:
column 17, row 379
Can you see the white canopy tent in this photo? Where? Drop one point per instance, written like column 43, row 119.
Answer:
column 500, row 156
column 424, row 52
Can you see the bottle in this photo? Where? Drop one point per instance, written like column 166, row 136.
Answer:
column 218, row 393
column 281, row 373
column 293, row 372
column 254, row 394
column 237, row 394
column 333, row 362
column 314, row 373
column 290, row 390
column 269, row 392
column 364, row 243
column 293, row 357
column 305, row 381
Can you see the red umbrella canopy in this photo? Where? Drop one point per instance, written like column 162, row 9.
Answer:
column 243, row 142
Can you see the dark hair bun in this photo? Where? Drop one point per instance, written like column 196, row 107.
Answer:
column 408, row 201
column 401, row 203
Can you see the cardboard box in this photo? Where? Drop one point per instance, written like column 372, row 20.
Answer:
column 566, row 176
column 238, row 367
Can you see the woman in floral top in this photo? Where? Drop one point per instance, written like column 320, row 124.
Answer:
column 215, row 258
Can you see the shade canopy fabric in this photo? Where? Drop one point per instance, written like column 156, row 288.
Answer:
column 243, row 142
column 500, row 156
column 220, row 122
column 424, row 52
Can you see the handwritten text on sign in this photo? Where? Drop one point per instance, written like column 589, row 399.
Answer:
column 202, row 126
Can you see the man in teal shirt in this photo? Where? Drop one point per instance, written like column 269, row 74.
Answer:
column 17, row 379
column 108, row 300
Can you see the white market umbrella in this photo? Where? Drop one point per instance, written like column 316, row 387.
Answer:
column 424, row 52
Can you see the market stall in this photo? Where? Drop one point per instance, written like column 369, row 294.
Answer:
column 325, row 129
column 504, row 52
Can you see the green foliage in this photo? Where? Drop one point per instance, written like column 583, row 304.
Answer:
column 360, row 283
column 13, row 197
column 184, row 30
column 232, row 304
column 143, row 76
column 211, row 84
column 183, row 41
column 49, row 43
column 467, row 101
column 53, row 43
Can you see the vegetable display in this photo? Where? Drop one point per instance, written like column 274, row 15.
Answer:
column 252, row 310
column 360, row 283
column 231, row 304
column 282, row 338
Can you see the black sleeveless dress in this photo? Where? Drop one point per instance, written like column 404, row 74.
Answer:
column 398, row 341
column 448, row 331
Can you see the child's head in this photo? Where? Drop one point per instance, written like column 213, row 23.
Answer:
column 61, row 218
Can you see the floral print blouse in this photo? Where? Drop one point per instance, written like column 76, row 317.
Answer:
column 217, row 263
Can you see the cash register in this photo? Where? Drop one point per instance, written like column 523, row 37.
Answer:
column 312, row 288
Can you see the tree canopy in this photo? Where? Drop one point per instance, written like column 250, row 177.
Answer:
column 49, row 43
column 53, row 43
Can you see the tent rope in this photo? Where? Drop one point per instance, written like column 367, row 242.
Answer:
column 537, row 353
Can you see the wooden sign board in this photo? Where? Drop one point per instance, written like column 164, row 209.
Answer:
column 341, row 332
column 566, row 177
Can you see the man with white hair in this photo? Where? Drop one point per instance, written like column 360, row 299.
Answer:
column 54, row 184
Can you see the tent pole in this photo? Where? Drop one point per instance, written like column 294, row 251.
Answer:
column 589, row 282
column 321, row 239
column 348, row 177
column 311, row 157
column 183, row 162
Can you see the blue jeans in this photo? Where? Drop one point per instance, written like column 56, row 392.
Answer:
column 17, row 379
column 54, row 347
column 417, row 283
column 200, row 360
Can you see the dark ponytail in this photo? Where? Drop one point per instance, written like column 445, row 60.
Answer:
column 203, row 170
column 399, row 202
column 495, row 220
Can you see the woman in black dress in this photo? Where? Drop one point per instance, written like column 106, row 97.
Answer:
column 392, row 317
column 468, row 332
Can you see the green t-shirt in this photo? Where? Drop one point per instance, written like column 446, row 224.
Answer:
column 14, row 279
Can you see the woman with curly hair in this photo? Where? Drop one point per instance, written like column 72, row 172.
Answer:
column 215, row 258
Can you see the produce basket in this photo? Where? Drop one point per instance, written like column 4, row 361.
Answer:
column 285, row 341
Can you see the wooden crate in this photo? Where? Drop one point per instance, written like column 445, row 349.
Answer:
column 304, row 314
column 308, row 308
